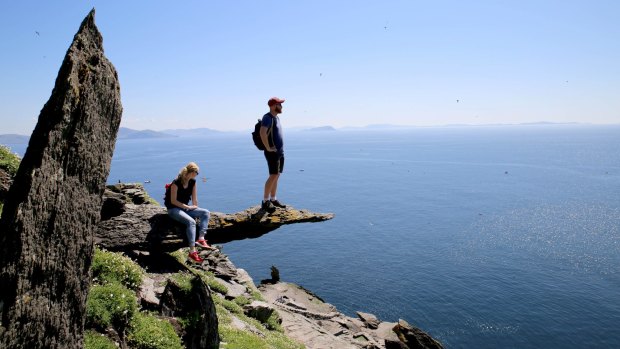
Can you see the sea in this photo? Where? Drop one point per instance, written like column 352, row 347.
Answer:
column 482, row 236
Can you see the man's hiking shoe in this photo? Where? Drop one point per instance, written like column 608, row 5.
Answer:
column 203, row 243
column 277, row 203
column 268, row 206
column 194, row 257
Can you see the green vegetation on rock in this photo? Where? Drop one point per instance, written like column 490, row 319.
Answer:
column 208, row 277
column 273, row 334
column 239, row 339
column 94, row 340
column 149, row 332
column 241, row 301
column 9, row 161
column 111, row 304
column 111, row 267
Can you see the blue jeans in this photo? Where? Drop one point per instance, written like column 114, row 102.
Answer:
column 187, row 217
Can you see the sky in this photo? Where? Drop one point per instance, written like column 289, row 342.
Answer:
column 214, row 64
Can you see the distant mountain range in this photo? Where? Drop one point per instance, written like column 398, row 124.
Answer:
column 128, row 133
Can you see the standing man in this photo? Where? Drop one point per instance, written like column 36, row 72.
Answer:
column 271, row 135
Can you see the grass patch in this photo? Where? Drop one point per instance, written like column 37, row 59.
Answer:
column 241, row 301
column 256, row 295
column 184, row 281
column 110, row 305
column 149, row 332
column 215, row 285
column 109, row 267
column 232, row 307
column 94, row 340
column 238, row 339
column 181, row 256
column 9, row 161
column 273, row 323
column 223, row 315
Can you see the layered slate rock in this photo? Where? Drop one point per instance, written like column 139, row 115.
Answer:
column 414, row 337
column 146, row 226
column 54, row 203
column 319, row 325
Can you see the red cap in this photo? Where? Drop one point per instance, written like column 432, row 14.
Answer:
column 274, row 100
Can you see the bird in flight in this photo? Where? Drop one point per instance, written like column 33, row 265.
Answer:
column 36, row 32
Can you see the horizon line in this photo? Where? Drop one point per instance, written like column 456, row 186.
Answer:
column 308, row 127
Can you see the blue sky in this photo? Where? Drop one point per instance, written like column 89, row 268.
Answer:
column 187, row 64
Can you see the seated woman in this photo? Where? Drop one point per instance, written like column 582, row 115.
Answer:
column 177, row 202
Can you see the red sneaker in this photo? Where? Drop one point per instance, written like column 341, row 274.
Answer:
column 193, row 256
column 203, row 243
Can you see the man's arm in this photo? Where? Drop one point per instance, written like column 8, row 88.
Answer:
column 263, row 137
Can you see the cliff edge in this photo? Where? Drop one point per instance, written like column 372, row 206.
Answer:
column 133, row 223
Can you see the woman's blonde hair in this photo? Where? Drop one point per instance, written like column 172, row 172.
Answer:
column 189, row 168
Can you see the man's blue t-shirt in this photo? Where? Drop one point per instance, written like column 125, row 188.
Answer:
column 277, row 131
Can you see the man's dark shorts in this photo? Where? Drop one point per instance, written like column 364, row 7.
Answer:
column 275, row 161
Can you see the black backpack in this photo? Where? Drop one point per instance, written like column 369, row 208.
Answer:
column 167, row 192
column 256, row 135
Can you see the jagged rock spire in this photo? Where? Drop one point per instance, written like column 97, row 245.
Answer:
column 53, row 205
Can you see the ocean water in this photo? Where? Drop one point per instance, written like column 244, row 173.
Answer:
column 485, row 237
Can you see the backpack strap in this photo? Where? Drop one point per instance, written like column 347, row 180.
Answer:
column 273, row 121
column 270, row 131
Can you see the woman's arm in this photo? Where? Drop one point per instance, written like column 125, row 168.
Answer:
column 195, row 195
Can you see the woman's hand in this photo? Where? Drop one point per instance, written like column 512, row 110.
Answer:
column 192, row 207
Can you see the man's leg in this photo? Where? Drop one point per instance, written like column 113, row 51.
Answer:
column 271, row 186
column 274, row 188
column 272, row 164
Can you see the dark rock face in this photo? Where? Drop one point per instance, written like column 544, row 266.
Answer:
column 113, row 205
column 54, row 204
column 414, row 338
column 197, row 304
column 5, row 183
column 128, row 226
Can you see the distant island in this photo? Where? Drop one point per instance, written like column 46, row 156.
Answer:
column 13, row 139
column 127, row 133
column 320, row 129
column 192, row 132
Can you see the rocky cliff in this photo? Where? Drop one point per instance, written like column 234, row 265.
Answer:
column 132, row 223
